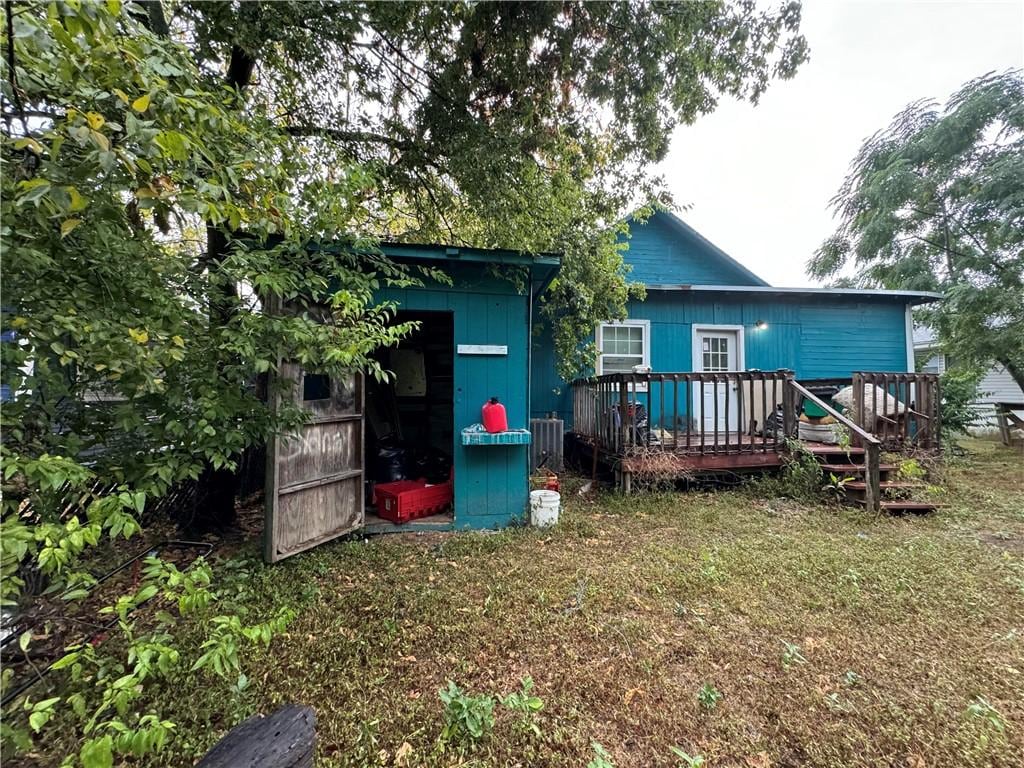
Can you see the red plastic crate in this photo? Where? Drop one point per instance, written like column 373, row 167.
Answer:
column 408, row 500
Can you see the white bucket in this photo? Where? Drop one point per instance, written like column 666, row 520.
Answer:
column 544, row 506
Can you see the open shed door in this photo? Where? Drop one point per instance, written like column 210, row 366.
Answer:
column 314, row 486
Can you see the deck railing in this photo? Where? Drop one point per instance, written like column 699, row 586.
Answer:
column 859, row 437
column 736, row 412
column 730, row 412
column 900, row 409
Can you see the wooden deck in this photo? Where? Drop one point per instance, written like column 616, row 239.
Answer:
column 702, row 423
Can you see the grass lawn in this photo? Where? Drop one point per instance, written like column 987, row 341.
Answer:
column 832, row 637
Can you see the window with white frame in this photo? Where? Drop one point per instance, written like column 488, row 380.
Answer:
column 623, row 345
column 935, row 363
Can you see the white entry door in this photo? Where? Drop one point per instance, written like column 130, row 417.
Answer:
column 717, row 351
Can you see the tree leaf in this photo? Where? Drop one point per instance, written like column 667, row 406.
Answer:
column 98, row 753
column 68, row 225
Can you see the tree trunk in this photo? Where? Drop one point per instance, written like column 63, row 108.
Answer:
column 220, row 485
column 1015, row 371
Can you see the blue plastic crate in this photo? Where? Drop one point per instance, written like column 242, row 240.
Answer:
column 477, row 435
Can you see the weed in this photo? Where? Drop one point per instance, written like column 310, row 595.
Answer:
column 468, row 720
column 837, row 704
column 991, row 721
column 836, row 486
column 791, row 655
column 709, row 569
column 851, row 678
column 911, row 470
column 843, row 438
column 709, row 696
column 601, row 757
column 578, row 598
column 800, row 478
column 687, row 760
column 525, row 705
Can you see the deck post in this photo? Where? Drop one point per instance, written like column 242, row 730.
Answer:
column 789, row 396
column 872, row 485
column 623, row 412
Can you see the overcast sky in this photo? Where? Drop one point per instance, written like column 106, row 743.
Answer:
column 758, row 179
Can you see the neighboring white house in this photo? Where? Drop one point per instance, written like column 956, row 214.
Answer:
column 996, row 386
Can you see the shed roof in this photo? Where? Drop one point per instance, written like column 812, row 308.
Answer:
column 906, row 297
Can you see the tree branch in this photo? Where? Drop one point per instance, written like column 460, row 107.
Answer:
column 11, row 72
column 338, row 134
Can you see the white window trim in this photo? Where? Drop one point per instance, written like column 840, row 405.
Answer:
column 927, row 353
column 696, row 361
column 599, row 338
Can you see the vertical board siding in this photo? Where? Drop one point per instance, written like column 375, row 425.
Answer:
column 491, row 482
column 661, row 254
column 815, row 338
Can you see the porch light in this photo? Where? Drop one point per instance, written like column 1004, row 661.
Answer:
column 761, row 325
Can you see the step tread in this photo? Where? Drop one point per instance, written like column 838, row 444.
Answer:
column 858, row 467
column 922, row 506
column 826, row 449
column 860, row 485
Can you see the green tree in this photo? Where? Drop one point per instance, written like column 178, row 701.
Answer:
column 936, row 202
column 166, row 166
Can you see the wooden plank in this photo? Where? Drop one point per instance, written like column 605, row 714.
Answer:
column 284, row 739
column 707, row 462
column 318, row 481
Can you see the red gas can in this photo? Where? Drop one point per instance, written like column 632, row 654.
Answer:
column 494, row 416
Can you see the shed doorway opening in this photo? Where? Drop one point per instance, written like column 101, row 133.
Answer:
column 410, row 429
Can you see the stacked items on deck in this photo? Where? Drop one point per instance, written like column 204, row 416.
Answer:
column 815, row 424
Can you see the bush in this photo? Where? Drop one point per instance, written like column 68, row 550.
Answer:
column 959, row 390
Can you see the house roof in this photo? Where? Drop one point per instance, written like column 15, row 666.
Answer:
column 543, row 266
column 463, row 253
column 674, row 222
column 907, row 297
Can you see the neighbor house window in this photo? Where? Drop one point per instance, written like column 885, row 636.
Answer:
column 934, row 364
column 621, row 346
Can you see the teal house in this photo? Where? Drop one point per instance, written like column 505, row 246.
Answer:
column 705, row 312
column 704, row 315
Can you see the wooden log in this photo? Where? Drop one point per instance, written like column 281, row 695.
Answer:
column 284, row 739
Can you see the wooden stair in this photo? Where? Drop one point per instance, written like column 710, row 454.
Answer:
column 850, row 464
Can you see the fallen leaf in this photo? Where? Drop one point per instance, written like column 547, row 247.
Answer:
column 915, row 761
column 760, row 760
column 403, row 753
column 631, row 694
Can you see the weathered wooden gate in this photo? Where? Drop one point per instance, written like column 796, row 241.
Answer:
column 314, row 490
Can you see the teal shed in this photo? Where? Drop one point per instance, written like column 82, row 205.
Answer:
column 490, row 303
column 472, row 344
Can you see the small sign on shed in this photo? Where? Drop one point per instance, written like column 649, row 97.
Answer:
column 482, row 349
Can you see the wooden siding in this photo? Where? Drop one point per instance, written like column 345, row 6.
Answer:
column 829, row 337
column 491, row 482
column 660, row 253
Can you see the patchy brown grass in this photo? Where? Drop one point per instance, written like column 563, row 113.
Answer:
column 631, row 605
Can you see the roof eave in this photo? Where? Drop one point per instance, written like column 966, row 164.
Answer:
column 911, row 297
